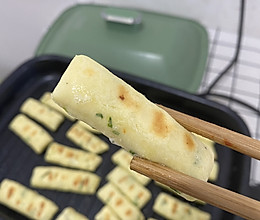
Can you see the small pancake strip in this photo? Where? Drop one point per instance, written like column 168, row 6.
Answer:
column 71, row 157
column 111, row 196
column 43, row 114
column 63, row 179
column 86, row 140
column 26, row 201
column 70, row 213
column 31, row 133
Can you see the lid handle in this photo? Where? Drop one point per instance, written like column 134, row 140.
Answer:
column 122, row 16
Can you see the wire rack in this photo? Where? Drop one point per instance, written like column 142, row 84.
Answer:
column 242, row 82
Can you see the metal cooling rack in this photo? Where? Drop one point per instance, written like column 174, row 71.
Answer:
column 242, row 82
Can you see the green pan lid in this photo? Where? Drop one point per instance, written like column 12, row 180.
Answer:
column 166, row 49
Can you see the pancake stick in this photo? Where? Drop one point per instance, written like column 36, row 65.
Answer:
column 236, row 141
column 222, row 198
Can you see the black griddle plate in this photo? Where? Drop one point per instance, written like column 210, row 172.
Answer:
column 41, row 74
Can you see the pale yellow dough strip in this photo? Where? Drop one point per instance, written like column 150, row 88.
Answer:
column 123, row 158
column 70, row 213
column 71, row 157
column 106, row 213
column 47, row 100
column 129, row 186
column 30, row 132
column 26, row 201
column 42, row 113
column 86, row 140
column 64, row 179
column 172, row 208
column 112, row 197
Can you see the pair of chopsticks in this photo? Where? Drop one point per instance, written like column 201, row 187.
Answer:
column 222, row 198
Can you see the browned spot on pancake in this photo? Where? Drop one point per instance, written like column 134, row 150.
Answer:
column 125, row 155
column 119, row 202
column 89, row 71
column 77, row 181
column 10, row 192
column 174, row 207
column 87, row 138
column 126, row 98
column 41, row 110
column 70, row 154
column 18, row 202
column 111, row 194
column 50, row 176
column 63, row 177
column 94, row 146
column 33, row 133
column 60, row 149
column 76, row 132
column 122, row 97
column 42, row 205
column 159, row 124
column 131, row 187
column 122, row 179
column 26, row 128
column 128, row 212
column 107, row 216
column 85, row 181
column 189, row 141
column 140, row 195
column 29, row 208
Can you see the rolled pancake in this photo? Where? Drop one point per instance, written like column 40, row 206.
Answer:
column 91, row 93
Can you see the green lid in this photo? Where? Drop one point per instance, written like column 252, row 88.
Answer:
column 165, row 49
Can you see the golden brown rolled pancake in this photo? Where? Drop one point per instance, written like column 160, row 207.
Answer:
column 91, row 93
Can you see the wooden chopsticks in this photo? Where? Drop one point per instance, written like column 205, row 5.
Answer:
column 222, row 198
column 220, row 135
